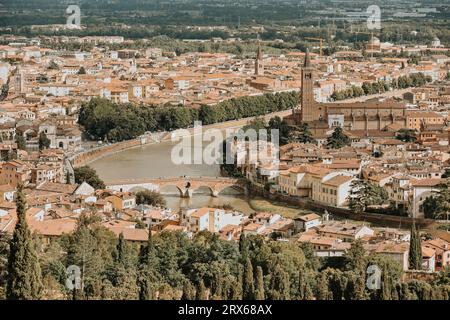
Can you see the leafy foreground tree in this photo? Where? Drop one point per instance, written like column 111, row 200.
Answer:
column 338, row 139
column 172, row 266
column 437, row 206
column 363, row 194
column 90, row 247
column 24, row 271
column 89, row 175
column 106, row 120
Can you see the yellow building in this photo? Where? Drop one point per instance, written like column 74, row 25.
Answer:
column 417, row 120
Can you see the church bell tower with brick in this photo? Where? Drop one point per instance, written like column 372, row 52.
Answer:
column 309, row 111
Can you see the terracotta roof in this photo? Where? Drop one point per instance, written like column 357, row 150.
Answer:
column 337, row 180
column 427, row 182
column 428, row 252
column 308, row 217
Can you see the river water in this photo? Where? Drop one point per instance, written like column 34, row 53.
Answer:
column 154, row 161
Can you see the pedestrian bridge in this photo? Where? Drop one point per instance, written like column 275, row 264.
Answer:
column 186, row 186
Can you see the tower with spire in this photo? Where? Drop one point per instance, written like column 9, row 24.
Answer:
column 259, row 64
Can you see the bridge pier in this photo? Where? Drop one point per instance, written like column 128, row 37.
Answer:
column 215, row 193
column 187, row 193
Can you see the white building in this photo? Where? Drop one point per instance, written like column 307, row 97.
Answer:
column 421, row 190
column 211, row 219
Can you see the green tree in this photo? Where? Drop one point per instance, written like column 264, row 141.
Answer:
column 90, row 247
column 53, row 65
column 259, row 290
column 431, row 207
column 248, row 285
column 355, row 257
column 323, row 291
column 201, row 291
column 364, row 193
column 415, row 249
column 147, row 272
column 279, row 288
column 304, row 289
column 44, row 142
column 188, row 291
column 437, row 206
column 122, row 250
column 89, row 175
column 243, row 247
column 338, row 139
column 150, row 197
column 21, row 143
column 406, row 135
column 300, row 133
column 24, row 271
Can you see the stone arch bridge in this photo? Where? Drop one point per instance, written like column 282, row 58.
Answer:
column 185, row 185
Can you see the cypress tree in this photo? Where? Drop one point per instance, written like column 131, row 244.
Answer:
column 147, row 267
column 188, row 291
column 145, row 290
column 415, row 249
column 301, row 284
column 217, row 286
column 243, row 247
column 309, row 295
column 285, row 288
column 279, row 284
column 259, row 291
column 304, row 289
column 323, row 289
column 201, row 291
column 248, row 285
column 236, row 293
column 24, row 271
column 386, row 288
column 121, row 249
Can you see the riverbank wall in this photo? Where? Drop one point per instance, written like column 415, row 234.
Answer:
column 376, row 218
column 87, row 156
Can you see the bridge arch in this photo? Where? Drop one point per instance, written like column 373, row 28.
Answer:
column 170, row 189
column 202, row 188
column 232, row 190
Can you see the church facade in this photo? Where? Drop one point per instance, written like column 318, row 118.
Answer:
column 322, row 117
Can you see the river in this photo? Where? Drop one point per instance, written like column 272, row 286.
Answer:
column 154, row 161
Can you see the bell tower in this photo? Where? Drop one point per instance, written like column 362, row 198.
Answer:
column 259, row 65
column 308, row 104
